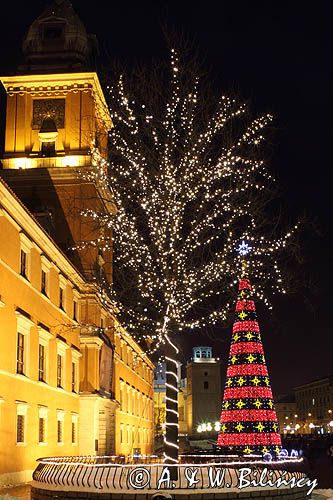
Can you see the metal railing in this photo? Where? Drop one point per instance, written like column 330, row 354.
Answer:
column 120, row 473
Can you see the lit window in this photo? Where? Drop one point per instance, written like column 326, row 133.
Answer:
column 75, row 370
column 74, row 429
column 41, row 363
column 41, row 430
column 20, row 354
column 59, row 370
column 20, row 429
column 60, row 426
column 121, row 395
column 61, row 364
column 24, row 325
column 73, row 377
column 44, row 337
column 21, row 422
column 42, row 424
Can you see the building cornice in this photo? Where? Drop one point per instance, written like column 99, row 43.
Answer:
column 22, row 218
column 59, row 84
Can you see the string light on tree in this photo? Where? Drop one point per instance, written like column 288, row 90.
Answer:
column 188, row 182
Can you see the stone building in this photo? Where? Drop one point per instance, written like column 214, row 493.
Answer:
column 204, row 396
column 286, row 412
column 314, row 402
column 71, row 378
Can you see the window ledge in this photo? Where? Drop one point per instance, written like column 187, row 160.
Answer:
column 22, row 376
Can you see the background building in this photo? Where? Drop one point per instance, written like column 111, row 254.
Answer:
column 286, row 412
column 314, row 402
column 72, row 381
column 204, row 396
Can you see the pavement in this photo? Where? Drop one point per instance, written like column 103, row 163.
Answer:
column 15, row 492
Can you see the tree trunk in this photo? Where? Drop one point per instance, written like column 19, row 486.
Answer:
column 171, row 403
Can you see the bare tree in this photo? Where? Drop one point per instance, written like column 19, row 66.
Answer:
column 189, row 183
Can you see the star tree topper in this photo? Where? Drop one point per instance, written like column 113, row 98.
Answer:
column 243, row 249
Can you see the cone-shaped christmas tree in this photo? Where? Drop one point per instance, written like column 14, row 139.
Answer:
column 248, row 419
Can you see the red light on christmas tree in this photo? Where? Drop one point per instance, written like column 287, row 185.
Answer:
column 248, row 418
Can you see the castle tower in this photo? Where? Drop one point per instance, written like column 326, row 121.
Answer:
column 55, row 110
column 203, row 388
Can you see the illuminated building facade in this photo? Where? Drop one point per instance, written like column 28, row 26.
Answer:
column 72, row 381
column 204, row 393
column 314, row 402
column 286, row 412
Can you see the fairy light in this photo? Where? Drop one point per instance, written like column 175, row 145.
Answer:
column 155, row 187
column 182, row 193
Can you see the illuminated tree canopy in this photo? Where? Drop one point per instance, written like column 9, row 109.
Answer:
column 190, row 183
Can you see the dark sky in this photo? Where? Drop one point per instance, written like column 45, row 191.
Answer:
column 278, row 55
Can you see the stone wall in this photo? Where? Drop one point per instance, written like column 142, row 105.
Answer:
column 264, row 494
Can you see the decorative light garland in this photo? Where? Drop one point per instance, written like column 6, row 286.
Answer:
column 183, row 194
column 248, row 418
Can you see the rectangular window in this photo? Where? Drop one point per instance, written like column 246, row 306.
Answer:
column 60, row 424
column 20, row 354
column 43, row 286
column 74, row 310
column 41, row 363
column 41, row 430
column 205, row 384
column 24, row 264
column 73, row 377
column 59, row 370
column 121, row 433
column 61, row 298
column 48, row 149
column 20, row 428
column 74, row 431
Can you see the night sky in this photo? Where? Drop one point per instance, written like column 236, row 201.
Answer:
column 278, row 55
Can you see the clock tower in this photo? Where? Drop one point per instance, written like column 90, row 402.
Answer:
column 55, row 114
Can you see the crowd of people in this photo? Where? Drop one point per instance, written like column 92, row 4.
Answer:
column 317, row 451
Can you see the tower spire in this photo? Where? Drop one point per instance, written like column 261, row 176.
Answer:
column 248, row 418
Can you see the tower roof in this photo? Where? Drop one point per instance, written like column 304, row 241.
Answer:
column 57, row 41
